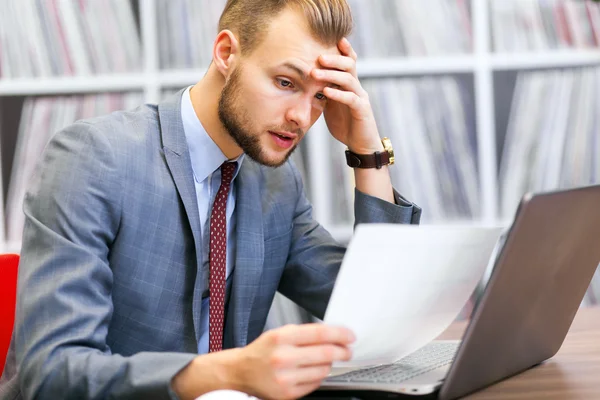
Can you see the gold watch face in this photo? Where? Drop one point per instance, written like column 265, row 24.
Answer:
column 387, row 145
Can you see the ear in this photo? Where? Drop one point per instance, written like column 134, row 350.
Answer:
column 226, row 52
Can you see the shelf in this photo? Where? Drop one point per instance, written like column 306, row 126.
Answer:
column 406, row 66
column 70, row 85
column 180, row 78
column 552, row 59
column 371, row 68
column 400, row 66
column 468, row 63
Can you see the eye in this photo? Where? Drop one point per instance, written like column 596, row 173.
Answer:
column 320, row 96
column 285, row 83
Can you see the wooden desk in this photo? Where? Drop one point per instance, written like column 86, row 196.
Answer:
column 573, row 373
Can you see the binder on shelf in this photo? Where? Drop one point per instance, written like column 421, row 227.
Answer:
column 385, row 28
column 66, row 37
column 552, row 136
column 187, row 29
column 537, row 25
column 395, row 28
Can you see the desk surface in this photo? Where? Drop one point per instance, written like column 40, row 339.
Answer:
column 573, row 373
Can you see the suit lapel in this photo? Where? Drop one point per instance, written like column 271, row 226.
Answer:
column 250, row 251
column 177, row 156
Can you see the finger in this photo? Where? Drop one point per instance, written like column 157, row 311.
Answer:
column 342, row 79
column 300, row 376
column 350, row 99
column 291, row 356
column 306, row 356
column 346, row 49
column 313, row 334
column 342, row 63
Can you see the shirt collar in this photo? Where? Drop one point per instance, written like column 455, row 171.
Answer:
column 206, row 156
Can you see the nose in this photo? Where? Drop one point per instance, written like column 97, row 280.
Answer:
column 300, row 113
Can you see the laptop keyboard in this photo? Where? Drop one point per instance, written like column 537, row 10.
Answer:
column 428, row 358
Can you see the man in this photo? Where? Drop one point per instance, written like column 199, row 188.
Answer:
column 158, row 237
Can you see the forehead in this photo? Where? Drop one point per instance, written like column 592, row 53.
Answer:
column 289, row 39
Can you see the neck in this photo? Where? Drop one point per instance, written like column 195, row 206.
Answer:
column 205, row 100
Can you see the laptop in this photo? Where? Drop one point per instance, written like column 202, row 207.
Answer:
column 535, row 288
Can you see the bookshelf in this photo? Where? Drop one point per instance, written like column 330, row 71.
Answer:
column 480, row 65
column 542, row 60
column 72, row 85
column 399, row 66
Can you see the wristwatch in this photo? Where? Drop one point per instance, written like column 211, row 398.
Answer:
column 374, row 160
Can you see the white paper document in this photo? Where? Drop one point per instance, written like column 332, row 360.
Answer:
column 400, row 286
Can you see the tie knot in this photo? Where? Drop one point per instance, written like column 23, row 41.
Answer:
column 227, row 171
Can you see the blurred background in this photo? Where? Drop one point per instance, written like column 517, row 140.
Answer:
column 484, row 100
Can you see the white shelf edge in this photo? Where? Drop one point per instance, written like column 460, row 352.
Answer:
column 374, row 67
column 368, row 68
column 177, row 78
column 550, row 59
column 406, row 66
column 69, row 85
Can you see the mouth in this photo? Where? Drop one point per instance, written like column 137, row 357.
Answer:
column 285, row 135
column 283, row 140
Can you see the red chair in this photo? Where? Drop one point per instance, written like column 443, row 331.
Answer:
column 9, row 264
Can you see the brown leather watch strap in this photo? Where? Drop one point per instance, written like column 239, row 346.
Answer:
column 374, row 160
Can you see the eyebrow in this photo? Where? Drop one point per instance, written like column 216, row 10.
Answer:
column 303, row 75
column 298, row 70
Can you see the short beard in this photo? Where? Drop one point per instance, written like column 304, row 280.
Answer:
column 233, row 118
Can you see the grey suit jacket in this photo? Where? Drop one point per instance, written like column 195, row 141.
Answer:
column 109, row 289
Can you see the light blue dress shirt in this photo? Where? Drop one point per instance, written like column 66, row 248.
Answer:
column 206, row 162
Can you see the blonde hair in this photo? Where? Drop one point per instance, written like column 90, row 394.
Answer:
column 328, row 20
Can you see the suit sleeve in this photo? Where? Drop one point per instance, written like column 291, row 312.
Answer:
column 64, row 304
column 315, row 256
column 369, row 209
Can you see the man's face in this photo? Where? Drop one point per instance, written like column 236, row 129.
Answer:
column 269, row 101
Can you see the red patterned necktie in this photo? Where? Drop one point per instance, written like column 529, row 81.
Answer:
column 218, row 259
